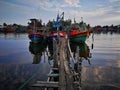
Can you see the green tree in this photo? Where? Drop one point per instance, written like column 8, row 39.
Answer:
column 4, row 24
column 67, row 22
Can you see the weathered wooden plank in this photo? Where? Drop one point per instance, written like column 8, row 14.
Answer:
column 53, row 75
column 55, row 53
column 69, row 76
column 55, row 68
column 66, row 77
column 75, row 74
column 62, row 78
column 46, row 84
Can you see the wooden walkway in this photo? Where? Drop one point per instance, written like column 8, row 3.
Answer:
column 61, row 75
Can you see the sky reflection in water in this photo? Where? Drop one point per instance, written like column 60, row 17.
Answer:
column 18, row 62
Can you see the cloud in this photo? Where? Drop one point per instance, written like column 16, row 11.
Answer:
column 97, row 12
column 72, row 3
column 15, row 13
column 47, row 5
column 112, row 18
column 7, row 6
column 100, row 16
column 114, row 1
column 53, row 5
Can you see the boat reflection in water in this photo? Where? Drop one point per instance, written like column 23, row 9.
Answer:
column 82, row 50
column 90, row 76
column 37, row 50
column 93, row 77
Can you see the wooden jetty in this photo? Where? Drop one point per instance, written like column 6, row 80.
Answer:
column 61, row 76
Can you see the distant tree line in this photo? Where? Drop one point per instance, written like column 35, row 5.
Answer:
column 50, row 24
column 13, row 28
column 106, row 29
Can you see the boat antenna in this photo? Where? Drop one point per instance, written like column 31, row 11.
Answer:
column 62, row 16
column 58, row 17
column 82, row 19
column 74, row 20
column 34, row 25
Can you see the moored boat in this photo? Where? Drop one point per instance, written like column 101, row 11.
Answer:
column 35, row 37
column 79, row 32
column 57, row 30
column 34, row 34
column 54, row 35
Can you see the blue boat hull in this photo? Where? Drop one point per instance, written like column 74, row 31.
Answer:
column 36, row 39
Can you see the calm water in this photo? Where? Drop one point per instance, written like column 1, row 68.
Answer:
column 22, row 63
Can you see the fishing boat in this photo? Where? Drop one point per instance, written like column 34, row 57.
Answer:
column 34, row 34
column 79, row 32
column 55, row 35
column 57, row 30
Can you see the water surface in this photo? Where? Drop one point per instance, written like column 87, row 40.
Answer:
column 104, row 71
column 17, row 68
column 22, row 63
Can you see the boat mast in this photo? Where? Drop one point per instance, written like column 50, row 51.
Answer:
column 34, row 27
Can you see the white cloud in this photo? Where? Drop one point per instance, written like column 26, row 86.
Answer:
column 118, row 11
column 112, row 18
column 100, row 16
column 47, row 9
column 114, row 0
column 49, row 6
column 96, row 13
column 72, row 3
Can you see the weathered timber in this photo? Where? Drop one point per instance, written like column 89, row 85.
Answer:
column 54, row 68
column 66, row 78
column 62, row 77
column 45, row 84
column 55, row 53
column 53, row 75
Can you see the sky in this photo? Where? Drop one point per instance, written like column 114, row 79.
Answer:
column 94, row 12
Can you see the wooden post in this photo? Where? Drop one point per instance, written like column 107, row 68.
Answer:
column 55, row 54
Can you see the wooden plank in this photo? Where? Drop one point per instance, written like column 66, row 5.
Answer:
column 62, row 78
column 55, row 53
column 69, row 76
column 53, row 75
column 75, row 74
column 46, row 84
column 55, row 69
column 76, row 82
